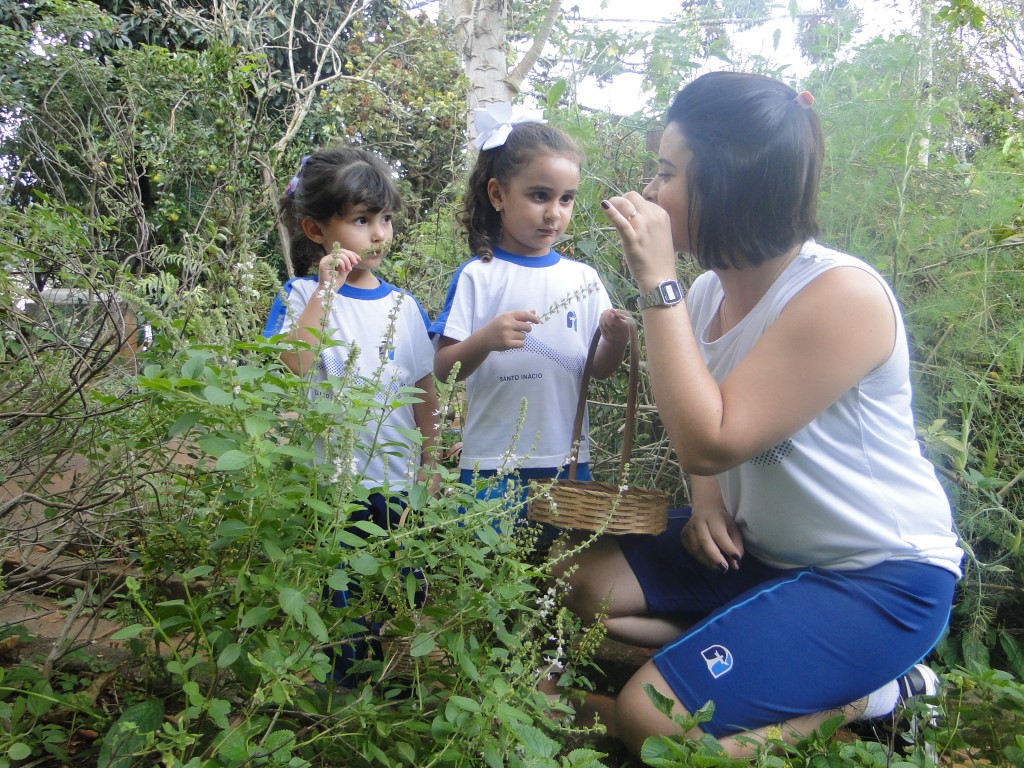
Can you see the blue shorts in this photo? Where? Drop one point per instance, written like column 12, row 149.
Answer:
column 769, row 645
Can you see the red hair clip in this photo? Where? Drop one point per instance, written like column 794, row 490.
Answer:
column 804, row 99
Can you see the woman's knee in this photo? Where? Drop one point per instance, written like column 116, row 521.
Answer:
column 596, row 578
column 584, row 596
column 636, row 717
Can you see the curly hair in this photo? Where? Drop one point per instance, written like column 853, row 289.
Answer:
column 526, row 141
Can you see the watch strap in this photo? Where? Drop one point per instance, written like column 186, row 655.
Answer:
column 665, row 294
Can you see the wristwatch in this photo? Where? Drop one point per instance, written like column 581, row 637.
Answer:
column 665, row 294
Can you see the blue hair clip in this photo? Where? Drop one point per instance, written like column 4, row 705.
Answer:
column 289, row 191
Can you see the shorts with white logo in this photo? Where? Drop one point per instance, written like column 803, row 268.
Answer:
column 769, row 645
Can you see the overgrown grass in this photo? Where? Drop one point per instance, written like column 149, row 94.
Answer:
column 172, row 492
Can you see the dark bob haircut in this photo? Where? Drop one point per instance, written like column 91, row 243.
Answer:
column 753, row 179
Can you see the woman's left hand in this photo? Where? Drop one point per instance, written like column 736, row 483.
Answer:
column 712, row 537
column 646, row 234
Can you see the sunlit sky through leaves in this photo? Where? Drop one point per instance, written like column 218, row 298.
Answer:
column 625, row 94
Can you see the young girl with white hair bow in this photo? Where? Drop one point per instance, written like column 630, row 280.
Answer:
column 519, row 316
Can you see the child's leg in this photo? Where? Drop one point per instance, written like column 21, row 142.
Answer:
column 513, row 488
column 357, row 647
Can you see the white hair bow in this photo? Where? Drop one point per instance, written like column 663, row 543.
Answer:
column 494, row 124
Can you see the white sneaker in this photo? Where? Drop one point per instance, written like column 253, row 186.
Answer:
column 920, row 681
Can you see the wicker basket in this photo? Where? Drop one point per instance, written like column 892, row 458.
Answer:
column 594, row 506
column 398, row 659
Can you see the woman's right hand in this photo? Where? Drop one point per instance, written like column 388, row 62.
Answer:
column 712, row 537
column 646, row 233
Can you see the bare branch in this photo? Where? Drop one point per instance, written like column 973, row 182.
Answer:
column 522, row 69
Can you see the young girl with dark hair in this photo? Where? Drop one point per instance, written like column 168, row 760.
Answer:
column 339, row 208
column 818, row 562
column 519, row 317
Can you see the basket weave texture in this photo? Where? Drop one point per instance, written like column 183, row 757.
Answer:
column 398, row 659
column 596, row 506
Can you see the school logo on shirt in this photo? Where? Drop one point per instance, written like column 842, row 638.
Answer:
column 719, row 660
column 571, row 321
column 386, row 351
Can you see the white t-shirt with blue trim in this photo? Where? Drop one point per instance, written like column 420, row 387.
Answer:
column 386, row 330
column 546, row 373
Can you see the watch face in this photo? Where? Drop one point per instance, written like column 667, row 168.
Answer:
column 670, row 292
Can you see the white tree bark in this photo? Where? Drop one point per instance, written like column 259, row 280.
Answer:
column 481, row 31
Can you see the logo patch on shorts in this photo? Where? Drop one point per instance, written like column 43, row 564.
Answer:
column 719, row 660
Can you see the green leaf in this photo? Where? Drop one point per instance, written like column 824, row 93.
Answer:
column 660, row 701
column 492, row 756
column 423, row 644
column 182, row 424
column 193, row 693
column 127, row 735
column 412, row 587
column 338, row 580
column 581, row 758
column 467, row 665
column 469, row 705
column 534, row 740
column 257, row 427
column 229, row 655
column 350, row 540
column 219, row 710
column 274, row 552
column 370, row 528
column 406, row 752
column 364, row 564
column 292, row 602
column 662, row 752
column 254, row 617
column 19, row 750
column 232, row 461
column 218, row 396
column 249, row 373
column 195, row 367
column 126, row 632
column 315, row 625
column 216, row 446
column 1012, row 649
column 317, row 505
column 295, row 452
column 40, row 705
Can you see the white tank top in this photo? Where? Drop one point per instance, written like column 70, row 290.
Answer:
column 852, row 488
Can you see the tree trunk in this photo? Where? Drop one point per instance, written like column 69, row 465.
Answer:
column 480, row 29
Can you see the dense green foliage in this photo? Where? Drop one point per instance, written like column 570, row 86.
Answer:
column 170, row 487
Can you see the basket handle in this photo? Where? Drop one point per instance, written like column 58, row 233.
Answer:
column 581, row 407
